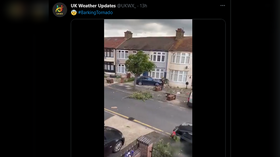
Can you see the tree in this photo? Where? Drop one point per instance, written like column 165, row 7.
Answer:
column 138, row 64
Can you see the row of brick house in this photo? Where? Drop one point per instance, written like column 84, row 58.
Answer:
column 171, row 55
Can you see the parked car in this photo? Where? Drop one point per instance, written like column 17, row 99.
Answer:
column 189, row 103
column 113, row 140
column 184, row 131
column 147, row 80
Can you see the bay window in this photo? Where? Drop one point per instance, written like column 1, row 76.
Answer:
column 178, row 76
column 180, row 58
column 108, row 53
column 158, row 57
column 121, row 68
column 122, row 54
column 157, row 74
column 109, row 66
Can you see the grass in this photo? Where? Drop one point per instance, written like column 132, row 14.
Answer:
column 141, row 95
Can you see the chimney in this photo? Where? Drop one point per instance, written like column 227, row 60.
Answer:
column 128, row 35
column 179, row 33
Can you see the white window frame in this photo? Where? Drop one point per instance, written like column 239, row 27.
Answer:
column 154, row 56
column 183, row 75
column 121, row 68
column 122, row 54
column 160, row 72
column 186, row 60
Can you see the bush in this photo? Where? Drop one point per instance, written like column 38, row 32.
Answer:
column 141, row 95
column 163, row 149
column 130, row 79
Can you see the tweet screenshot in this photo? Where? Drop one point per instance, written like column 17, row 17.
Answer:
column 165, row 67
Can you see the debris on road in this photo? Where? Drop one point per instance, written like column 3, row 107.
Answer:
column 114, row 107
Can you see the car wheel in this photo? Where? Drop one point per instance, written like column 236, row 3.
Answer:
column 118, row 146
column 156, row 84
column 140, row 83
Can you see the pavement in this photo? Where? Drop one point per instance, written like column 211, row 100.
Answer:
column 181, row 99
column 131, row 130
column 154, row 114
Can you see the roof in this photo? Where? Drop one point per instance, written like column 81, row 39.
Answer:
column 113, row 42
column 148, row 43
column 184, row 44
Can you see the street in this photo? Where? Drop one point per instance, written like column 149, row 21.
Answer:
column 151, row 112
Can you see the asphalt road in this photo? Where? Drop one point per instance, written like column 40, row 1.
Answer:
column 161, row 115
column 107, row 115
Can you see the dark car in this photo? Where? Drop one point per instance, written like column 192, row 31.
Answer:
column 113, row 140
column 189, row 103
column 184, row 131
column 146, row 80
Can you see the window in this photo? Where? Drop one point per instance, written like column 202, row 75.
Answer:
column 188, row 58
column 112, row 53
column 180, row 58
column 126, row 54
column 108, row 53
column 183, row 58
column 157, row 73
column 134, row 51
column 158, row 57
column 109, row 66
column 174, row 58
column 121, row 68
column 154, row 57
column 175, row 76
column 177, row 58
column 178, row 76
column 122, row 54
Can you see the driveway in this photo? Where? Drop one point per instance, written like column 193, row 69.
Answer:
column 130, row 130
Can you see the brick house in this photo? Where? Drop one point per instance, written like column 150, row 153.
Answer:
column 171, row 55
column 110, row 45
column 156, row 47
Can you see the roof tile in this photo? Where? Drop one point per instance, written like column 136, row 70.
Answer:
column 113, row 42
column 184, row 44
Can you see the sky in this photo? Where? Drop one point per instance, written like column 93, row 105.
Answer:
column 146, row 28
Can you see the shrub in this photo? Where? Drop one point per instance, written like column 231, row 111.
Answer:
column 163, row 149
column 141, row 95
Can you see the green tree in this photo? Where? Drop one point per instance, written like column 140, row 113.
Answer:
column 138, row 64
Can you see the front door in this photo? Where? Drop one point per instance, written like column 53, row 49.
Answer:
column 145, row 73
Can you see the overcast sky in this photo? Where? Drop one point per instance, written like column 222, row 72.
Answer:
column 145, row 28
